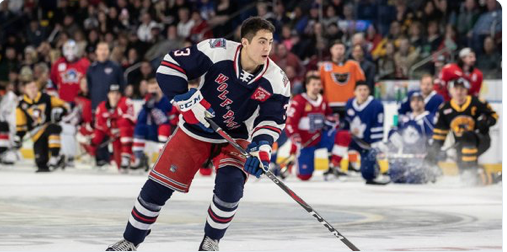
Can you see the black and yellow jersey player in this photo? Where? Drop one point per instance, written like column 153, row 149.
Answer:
column 34, row 115
column 469, row 120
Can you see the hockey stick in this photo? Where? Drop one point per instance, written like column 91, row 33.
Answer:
column 102, row 145
column 309, row 141
column 286, row 189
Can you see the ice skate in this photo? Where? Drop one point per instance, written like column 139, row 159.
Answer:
column 125, row 162
column 208, row 244
column 70, row 162
column 122, row 245
column 56, row 162
column 380, row 180
column 141, row 163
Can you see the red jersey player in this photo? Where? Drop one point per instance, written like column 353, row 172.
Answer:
column 310, row 126
column 463, row 68
column 115, row 119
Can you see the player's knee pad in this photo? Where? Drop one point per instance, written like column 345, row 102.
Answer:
column 54, row 129
column 229, row 184
column 369, row 164
column 343, row 138
column 155, row 193
column 304, row 177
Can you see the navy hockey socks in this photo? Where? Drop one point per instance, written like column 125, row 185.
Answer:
column 228, row 191
column 146, row 210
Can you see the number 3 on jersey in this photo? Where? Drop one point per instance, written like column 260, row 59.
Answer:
column 184, row 52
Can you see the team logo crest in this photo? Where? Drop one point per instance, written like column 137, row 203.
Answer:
column 285, row 79
column 108, row 70
column 261, row 94
column 462, row 124
column 341, row 78
column 217, row 43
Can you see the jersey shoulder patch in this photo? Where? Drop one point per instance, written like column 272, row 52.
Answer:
column 217, row 43
column 218, row 49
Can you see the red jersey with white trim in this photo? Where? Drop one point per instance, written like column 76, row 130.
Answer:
column 306, row 117
column 67, row 77
column 453, row 71
column 108, row 118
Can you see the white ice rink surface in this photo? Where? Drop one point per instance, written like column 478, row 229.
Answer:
column 86, row 210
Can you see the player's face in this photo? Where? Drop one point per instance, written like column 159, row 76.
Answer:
column 114, row 98
column 153, row 88
column 426, row 85
column 417, row 105
column 259, row 48
column 31, row 89
column 314, row 87
column 337, row 51
column 362, row 92
column 459, row 93
column 469, row 60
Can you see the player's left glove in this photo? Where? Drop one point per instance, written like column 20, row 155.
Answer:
column 260, row 155
column 484, row 124
column 193, row 107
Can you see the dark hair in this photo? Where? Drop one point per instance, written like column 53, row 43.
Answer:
column 252, row 25
column 361, row 83
column 337, row 42
column 308, row 79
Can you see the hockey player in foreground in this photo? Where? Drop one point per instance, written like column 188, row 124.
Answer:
column 34, row 114
column 469, row 120
column 248, row 94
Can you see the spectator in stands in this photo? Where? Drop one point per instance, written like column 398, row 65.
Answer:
column 135, row 78
column 386, row 63
column 433, row 39
column 372, row 38
column 394, row 34
column 467, row 16
column 144, row 30
column 35, row 34
column 102, row 74
column 8, row 62
column 185, row 24
column 489, row 62
column 415, row 35
column 489, row 24
column 284, row 58
column 404, row 58
column 367, row 66
column 201, row 30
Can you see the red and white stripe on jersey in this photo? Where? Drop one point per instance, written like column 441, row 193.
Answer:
column 170, row 67
column 4, row 140
column 270, row 128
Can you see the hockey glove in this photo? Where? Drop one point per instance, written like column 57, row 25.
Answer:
column 150, row 100
column 484, row 124
column 193, row 106
column 17, row 142
column 331, row 123
column 296, row 144
column 260, row 154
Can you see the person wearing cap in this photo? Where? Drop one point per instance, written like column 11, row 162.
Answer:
column 468, row 119
column 431, row 98
column 363, row 131
column 411, row 136
column 115, row 120
column 464, row 68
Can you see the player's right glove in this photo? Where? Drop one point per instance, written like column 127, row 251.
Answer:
column 193, row 106
column 296, row 143
column 17, row 142
column 260, row 154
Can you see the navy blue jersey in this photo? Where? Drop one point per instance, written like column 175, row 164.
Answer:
column 246, row 105
column 432, row 102
column 101, row 75
column 415, row 131
column 157, row 115
column 365, row 121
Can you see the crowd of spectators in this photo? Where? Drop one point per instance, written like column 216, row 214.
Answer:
column 387, row 37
